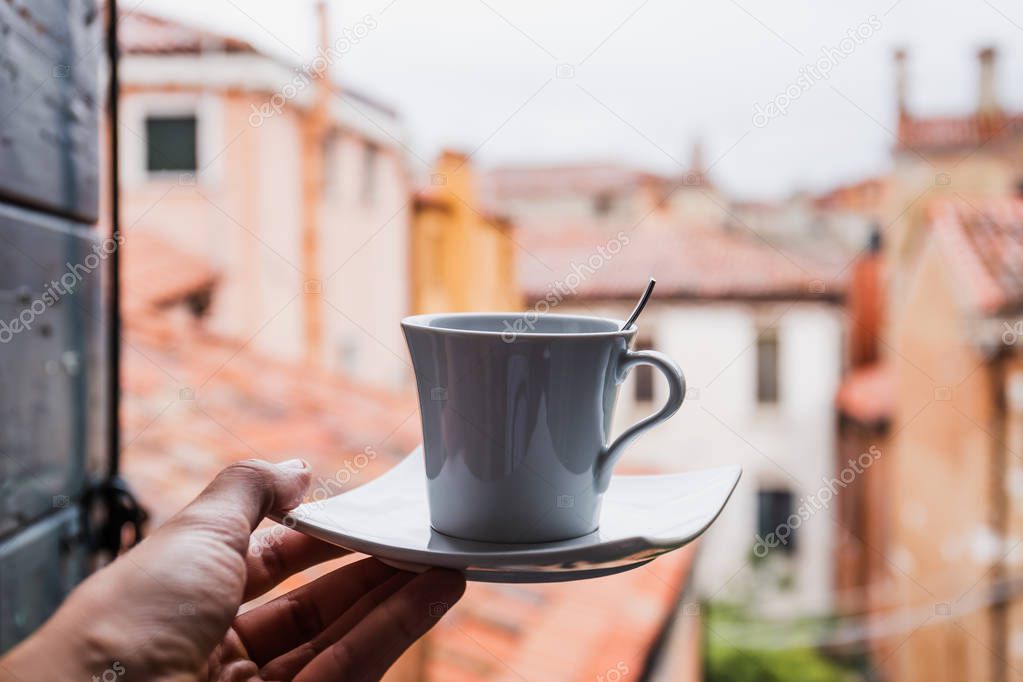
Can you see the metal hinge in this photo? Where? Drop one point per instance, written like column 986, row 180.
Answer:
column 116, row 519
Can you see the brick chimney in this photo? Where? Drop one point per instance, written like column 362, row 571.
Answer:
column 865, row 303
column 987, row 91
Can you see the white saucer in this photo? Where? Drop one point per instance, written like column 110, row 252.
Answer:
column 642, row 518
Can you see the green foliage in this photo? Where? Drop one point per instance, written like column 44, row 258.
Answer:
column 724, row 663
column 728, row 661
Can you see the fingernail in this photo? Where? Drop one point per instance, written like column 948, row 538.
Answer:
column 297, row 464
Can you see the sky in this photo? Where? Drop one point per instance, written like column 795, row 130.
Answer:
column 525, row 82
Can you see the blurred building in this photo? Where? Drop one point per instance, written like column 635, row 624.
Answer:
column 931, row 534
column 292, row 187
column 975, row 154
column 756, row 329
column 602, row 196
column 463, row 256
column 957, row 431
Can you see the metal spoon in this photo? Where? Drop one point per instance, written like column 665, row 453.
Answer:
column 642, row 304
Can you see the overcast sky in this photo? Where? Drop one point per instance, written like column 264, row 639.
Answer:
column 645, row 78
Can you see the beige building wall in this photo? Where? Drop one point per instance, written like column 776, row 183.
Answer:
column 364, row 260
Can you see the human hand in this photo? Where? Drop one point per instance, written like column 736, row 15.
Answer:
column 168, row 609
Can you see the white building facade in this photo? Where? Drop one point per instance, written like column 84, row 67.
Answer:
column 759, row 334
column 784, row 442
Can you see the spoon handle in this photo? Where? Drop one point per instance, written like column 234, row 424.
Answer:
column 642, row 304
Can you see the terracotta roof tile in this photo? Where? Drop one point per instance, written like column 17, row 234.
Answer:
column 984, row 241
column 141, row 33
column 867, row 394
column 586, row 179
column 566, row 632
column 160, row 272
column 956, row 132
column 696, row 263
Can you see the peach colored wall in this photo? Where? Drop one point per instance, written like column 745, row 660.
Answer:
column 941, row 545
column 1013, row 482
column 243, row 214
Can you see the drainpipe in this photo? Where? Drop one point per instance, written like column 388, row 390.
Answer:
column 315, row 127
column 1006, row 400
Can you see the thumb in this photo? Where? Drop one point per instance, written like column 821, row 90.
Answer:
column 243, row 494
column 197, row 558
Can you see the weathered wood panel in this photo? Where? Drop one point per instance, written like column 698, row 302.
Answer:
column 50, row 52
column 38, row 567
column 52, row 363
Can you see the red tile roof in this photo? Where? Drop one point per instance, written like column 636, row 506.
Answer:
column 867, row 394
column 569, row 632
column 144, row 34
column 984, row 241
column 161, row 273
column 141, row 33
column 697, row 263
column 865, row 196
column 587, row 180
column 956, row 132
column 584, row 179
column 194, row 402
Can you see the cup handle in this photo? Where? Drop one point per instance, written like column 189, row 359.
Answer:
column 676, row 394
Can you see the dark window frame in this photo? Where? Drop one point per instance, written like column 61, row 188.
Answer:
column 603, row 204
column 775, row 506
column 174, row 154
column 370, row 167
column 768, row 367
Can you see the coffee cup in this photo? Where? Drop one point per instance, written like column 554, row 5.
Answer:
column 516, row 415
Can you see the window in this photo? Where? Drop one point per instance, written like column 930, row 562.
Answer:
column 171, row 144
column 369, row 172
column 767, row 366
column 774, row 507
column 331, row 162
column 644, row 375
column 349, row 348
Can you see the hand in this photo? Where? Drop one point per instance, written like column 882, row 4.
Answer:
column 167, row 609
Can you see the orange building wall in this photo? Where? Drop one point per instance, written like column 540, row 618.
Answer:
column 463, row 259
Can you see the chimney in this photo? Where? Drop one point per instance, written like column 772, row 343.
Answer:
column 901, row 83
column 865, row 301
column 987, row 100
column 696, row 176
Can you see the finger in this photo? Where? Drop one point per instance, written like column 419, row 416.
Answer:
column 240, row 497
column 288, row 665
column 275, row 556
column 378, row 640
column 300, row 615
